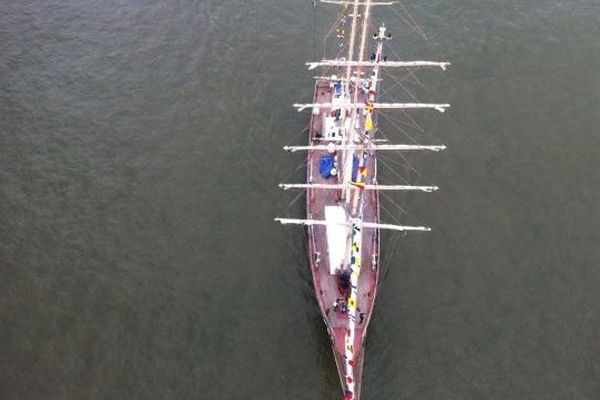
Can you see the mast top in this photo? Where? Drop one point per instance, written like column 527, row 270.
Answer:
column 382, row 30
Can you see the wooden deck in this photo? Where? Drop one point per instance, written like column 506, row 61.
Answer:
column 326, row 285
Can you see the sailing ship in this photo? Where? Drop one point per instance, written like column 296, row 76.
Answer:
column 342, row 190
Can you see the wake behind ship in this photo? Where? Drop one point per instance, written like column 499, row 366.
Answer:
column 342, row 190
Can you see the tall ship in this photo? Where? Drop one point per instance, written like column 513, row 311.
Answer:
column 342, row 190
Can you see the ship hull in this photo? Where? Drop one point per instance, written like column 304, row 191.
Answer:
column 326, row 284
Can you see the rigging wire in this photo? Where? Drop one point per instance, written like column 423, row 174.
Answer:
column 301, row 133
column 303, row 164
column 413, row 123
column 295, row 199
column 397, row 82
column 340, row 20
column 395, row 125
column 410, row 21
column 393, row 171
column 402, row 209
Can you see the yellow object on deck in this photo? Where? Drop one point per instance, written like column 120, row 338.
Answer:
column 352, row 302
column 369, row 123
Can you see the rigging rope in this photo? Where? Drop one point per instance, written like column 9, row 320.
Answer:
column 389, row 119
column 411, row 21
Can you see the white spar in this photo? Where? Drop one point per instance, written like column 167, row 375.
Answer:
column 372, row 3
column 287, row 186
column 343, row 63
column 312, row 222
column 333, row 147
column 438, row 107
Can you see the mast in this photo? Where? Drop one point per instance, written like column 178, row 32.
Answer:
column 354, row 244
column 352, row 39
column 348, row 128
column 354, row 136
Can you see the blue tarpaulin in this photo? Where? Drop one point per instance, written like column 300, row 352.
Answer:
column 354, row 168
column 338, row 89
column 326, row 164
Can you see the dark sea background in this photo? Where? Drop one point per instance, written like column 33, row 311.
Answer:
column 140, row 148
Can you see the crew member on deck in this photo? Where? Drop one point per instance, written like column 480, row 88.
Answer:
column 344, row 282
column 340, row 305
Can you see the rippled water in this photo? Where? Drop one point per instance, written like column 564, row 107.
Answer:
column 139, row 152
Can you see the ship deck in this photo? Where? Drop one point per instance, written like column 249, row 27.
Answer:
column 326, row 284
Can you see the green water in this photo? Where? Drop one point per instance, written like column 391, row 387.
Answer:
column 140, row 147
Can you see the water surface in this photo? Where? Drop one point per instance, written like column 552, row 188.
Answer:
column 139, row 151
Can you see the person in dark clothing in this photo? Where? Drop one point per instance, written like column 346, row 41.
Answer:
column 340, row 305
column 344, row 306
column 361, row 315
column 344, row 281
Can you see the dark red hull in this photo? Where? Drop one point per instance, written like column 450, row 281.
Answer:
column 326, row 284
